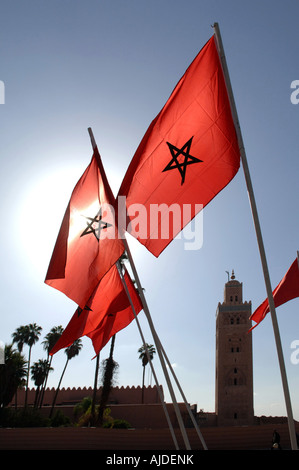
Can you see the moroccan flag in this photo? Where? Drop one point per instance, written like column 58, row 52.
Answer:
column 287, row 289
column 188, row 154
column 88, row 243
column 107, row 311
column 112, row 324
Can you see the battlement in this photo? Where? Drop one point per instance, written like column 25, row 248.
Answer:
column 72, row 396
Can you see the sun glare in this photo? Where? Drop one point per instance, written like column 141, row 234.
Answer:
column 42, row 209
column 79, row 222
column 41, row 212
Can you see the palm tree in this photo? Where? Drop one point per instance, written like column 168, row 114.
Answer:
column 71, row 352
column 50, row 340
column 39, row 371
column 12, row 374
column 28, row 334
column 18, row 337
column 110, row 367
column 33, row 332
column 146, row 352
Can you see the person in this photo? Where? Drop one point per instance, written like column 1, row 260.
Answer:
column 275, row 441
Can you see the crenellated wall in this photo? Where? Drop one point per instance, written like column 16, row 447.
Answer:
column 71, row 396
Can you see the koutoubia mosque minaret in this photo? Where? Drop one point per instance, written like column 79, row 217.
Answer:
column 234, row 369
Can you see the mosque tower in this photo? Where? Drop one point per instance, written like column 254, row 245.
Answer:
column 234, row 369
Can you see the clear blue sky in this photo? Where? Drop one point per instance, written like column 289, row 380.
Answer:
column 111, row 65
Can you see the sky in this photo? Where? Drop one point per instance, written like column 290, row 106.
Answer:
column 111, row 65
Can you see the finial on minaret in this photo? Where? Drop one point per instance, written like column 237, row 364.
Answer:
column 233, row 275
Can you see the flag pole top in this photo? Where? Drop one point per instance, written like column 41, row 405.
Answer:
column 93, row 142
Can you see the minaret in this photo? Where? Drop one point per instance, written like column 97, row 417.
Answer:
column 234, row 373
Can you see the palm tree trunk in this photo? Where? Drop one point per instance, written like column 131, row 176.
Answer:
column 57, row 390
column 107, row 383
column 93, row 405
column 36, row 396
column 27, row 383
column 45, row 383
column 142, row 393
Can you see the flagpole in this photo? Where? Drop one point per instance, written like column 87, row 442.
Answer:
column 185, row 400
column 169, row 364
column 156, row 340
column 148, row 355
column 259, row 238
column 146, row 311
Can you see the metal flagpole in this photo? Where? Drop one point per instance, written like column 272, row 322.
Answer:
column 147, row 314
column 185, row 400
column 148, row 356
column 169, row 364
column 259, row 238
column 157, row 343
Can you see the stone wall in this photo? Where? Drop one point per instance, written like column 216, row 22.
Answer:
column 72, row 396
column 74, row 438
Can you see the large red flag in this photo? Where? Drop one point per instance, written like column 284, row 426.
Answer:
column 287, row 289
column 112, row 324
column 88, row 243
column 188, row 154
column 107, row 311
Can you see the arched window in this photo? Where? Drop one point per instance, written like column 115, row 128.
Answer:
column 235, row 377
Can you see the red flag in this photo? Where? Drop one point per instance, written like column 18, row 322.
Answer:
column 88, row 243
column 107, row 311
column 287, row 289
column 188, row 154
column 112, row 324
